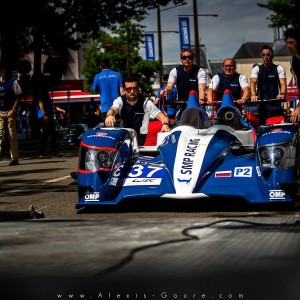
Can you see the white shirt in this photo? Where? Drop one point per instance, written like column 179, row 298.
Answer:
column 214, row 84
column 280, row 70
column 150, row 109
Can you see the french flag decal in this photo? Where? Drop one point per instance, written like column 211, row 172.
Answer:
column 223, row 174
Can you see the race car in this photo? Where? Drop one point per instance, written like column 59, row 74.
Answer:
column 225, row 158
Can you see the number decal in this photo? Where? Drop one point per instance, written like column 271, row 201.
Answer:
column 144, row 171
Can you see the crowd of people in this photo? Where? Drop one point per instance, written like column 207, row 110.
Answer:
column 123, row 101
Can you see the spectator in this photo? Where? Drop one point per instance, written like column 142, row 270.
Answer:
column 135, row 111
column 229, row 79
column 186, row 77
column 170, row 109
column 9, row 92
column 45, row 113
column 109, row 84
column 268, row 81
column 292, row 38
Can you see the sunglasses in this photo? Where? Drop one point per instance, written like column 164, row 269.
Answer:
column 129, row 89
column 266, row 54
column 186, row 57
column 228, row 66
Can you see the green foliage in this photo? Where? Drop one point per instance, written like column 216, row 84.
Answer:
column 120, row 48
column 286, row 12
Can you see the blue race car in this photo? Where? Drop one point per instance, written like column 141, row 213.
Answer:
column 202, row 159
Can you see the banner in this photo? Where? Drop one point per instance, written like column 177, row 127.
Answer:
column 184, row 29
column 149, row 41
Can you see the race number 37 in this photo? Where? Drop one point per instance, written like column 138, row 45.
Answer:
column 243, row 172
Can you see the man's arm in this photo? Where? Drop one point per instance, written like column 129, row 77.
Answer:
column 165, row 121
column 110, row 119
column 283, row 88
column 60, row 110
column 210, row 95
column 253, row 84
column 295, row 116
column 245, row 96
column 201, row 92
column 168, row 89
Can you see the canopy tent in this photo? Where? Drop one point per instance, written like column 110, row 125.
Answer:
column 72, row 96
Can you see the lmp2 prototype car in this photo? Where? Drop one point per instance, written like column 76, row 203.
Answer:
column 225, row 159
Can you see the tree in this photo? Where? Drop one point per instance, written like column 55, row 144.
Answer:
column 124, row 56
column 286, row 12
column 56, row 25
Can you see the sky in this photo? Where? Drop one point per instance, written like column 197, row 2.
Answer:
column 238, row 21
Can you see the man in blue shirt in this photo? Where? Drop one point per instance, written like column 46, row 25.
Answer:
column 109, row 84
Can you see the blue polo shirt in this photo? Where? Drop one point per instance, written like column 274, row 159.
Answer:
column 108, row 83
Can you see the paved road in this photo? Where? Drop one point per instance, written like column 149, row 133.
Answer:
column 144, row 250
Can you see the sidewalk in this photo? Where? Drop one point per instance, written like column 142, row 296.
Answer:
column 29, row 147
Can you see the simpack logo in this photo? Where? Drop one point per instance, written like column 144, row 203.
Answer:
column 92, row 196
column 276, row 194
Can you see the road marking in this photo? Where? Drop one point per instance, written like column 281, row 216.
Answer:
column 58, row 179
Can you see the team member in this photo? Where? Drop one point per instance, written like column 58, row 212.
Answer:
column 109, row 84
column 186, row 77
column 45, row 114
column 268, row 81
column 135, row 111
column 292, row 38
column 229, row 79
column 9, row 90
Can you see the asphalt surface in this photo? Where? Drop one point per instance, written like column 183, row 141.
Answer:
column 234, row 255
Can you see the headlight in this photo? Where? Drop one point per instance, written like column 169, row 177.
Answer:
column 103, row 156
column 96, row 159
column 279, row 156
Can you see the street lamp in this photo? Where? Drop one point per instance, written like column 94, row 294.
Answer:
column 196, row 32
column 160, row 54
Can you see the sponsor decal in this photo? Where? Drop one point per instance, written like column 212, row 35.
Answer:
column 92, row 197
column 184, row 182
column 188, row 157
column 101, row 135
column 142, row 181
column 222, row 174
column 276, row 195
column 243, row 172
column 276, row 130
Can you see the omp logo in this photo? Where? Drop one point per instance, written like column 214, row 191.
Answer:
column 276, row 194
column 92, row 196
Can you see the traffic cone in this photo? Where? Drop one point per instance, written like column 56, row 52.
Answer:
column 193, row 100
